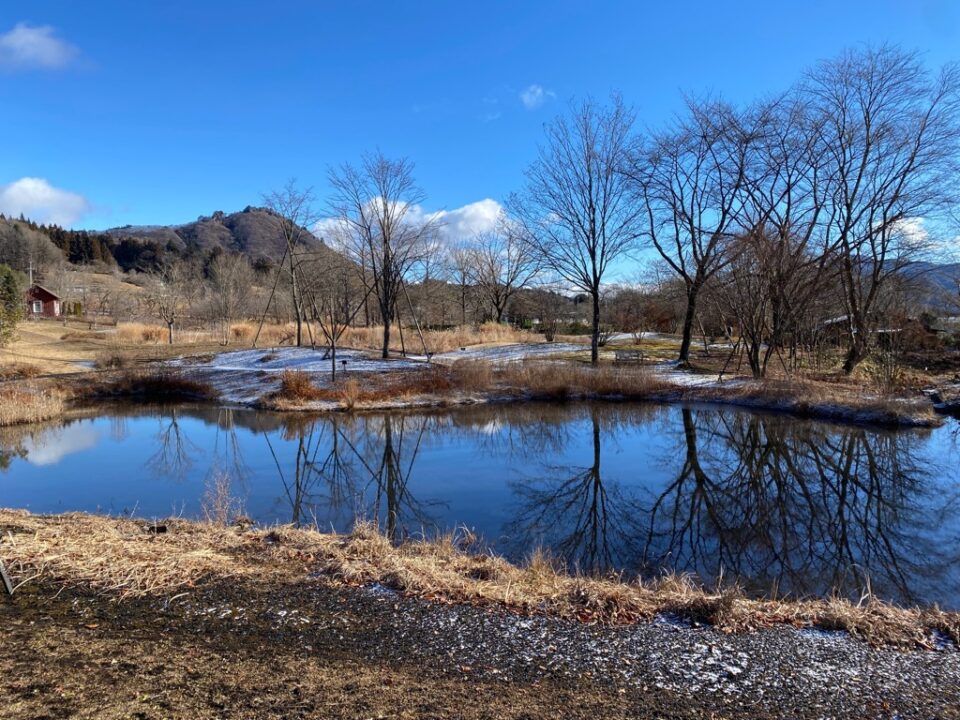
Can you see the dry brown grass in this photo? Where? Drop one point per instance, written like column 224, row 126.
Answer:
column 149, row 385
column 121, row 557
column 824, row 400
column 297, row 388
column 26, row 403
column 561, row 380
column 136, row 333
column 19, row 371
column 438, row 341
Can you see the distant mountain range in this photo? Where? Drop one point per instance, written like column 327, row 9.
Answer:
column 943, row 281
column 252, row 231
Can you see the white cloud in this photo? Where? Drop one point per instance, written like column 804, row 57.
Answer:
column 535, row 95
column 459, row 224
column 28, row 46
column 52, row 446
column 41, row 202
column 467, row 221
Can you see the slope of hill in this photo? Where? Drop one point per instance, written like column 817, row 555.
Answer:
column 252, row 231
column 941, row 283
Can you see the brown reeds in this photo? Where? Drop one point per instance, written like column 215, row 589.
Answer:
column 121, row 557
column 151, row 385
column 27, row 403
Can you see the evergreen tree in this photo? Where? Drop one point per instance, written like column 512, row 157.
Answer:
column 11, row 303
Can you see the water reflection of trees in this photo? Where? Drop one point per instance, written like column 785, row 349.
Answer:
column 802, row 507
column 573, row 511
column 357, row 468
column 775, row 503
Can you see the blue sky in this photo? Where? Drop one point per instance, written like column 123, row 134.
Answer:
column 141, row 112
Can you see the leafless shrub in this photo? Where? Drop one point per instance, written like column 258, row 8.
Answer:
column 218, row 504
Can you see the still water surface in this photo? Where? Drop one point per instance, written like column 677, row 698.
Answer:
column 779, row 504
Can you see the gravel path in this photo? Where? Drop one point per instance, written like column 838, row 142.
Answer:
column 781, row 672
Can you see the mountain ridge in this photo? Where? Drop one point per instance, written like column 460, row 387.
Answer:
column 252, row 231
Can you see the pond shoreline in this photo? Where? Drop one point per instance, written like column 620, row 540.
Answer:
column 475, row 382
column 896, row 413
column 125, row 557
column 180, row 623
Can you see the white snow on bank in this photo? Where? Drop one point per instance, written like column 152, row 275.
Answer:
column 670, row 372
column 276, row 360
column 244, row 376
column 510, row 353
column 631, row 337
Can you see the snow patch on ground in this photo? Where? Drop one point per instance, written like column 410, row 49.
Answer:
column 244, row 376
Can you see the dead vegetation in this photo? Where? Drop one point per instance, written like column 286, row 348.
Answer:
column 148, row 385
column 18, row 371
column 469, row 380
column 297, row 388
column 128, row 558
column 29, row 403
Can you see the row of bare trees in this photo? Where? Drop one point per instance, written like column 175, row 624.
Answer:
column 830, row 188
column 780, row 215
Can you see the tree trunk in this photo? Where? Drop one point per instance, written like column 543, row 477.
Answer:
column 333, row 358
column 595, row 330
column 170, row 332
column 386, row 334
column 856, row 353
column 687, row 336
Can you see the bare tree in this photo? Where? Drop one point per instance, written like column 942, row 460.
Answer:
column 501, row 265
column 170, row 293
column 333, row 302
column 460, row 272
column 295, row 214
column 576, row 211
column 376, row 206
column 231, row 279
column 892, row 134
column 781, row 264
column 689, row 181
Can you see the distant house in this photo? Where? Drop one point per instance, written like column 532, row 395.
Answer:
column 42, row 302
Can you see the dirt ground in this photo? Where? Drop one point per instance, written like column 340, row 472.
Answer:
column 81, row 656
column 316, row 649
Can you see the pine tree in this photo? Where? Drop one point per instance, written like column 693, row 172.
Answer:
column 11, row 303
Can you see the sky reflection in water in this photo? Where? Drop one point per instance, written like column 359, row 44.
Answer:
column 776, row 503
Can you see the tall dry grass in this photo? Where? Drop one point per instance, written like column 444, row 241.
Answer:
column 555, row 380
column 28, row 404
column 117, row 556
column 19, row 371
column 164, row 385
column 437, row 341
column 361, row 338
column 137, row 333
column 297, row 388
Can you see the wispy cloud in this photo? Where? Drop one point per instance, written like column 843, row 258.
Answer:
column 34, row 46
column 40, row 201
column 533, row 96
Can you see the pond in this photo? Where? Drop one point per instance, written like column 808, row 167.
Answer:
column 782, row 506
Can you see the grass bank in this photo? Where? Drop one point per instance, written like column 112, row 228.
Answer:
column 29, row 403
column 124, row 558
column 466, row 382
